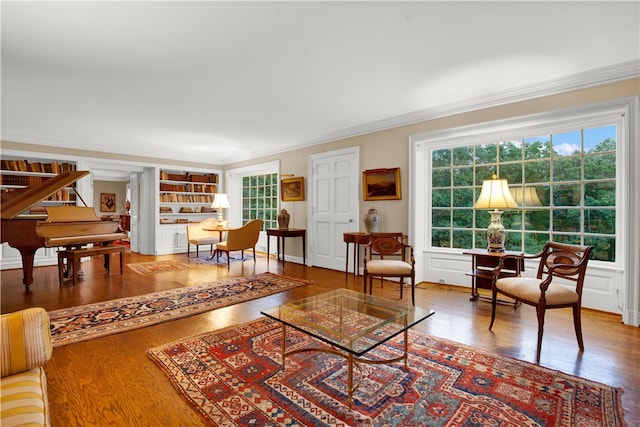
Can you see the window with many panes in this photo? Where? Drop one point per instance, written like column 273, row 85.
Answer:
column 260, row 199
column 564, row 184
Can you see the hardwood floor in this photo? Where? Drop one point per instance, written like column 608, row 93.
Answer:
column 110, row 381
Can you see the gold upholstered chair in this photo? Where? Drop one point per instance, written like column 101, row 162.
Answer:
column 387, row 255
column 24, row 350
column 199, row 234
column 239, row 239
column 560, row 264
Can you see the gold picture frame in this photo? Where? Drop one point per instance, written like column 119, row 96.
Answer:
column 292, row 189
column 107, row 202
column 381, row 184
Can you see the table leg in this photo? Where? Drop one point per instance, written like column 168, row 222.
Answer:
column 350, row 378
column 346, row 263
column 284, row 343
column 268, row 254
column 304, row 249
column 278, row 251
column 406, row 348
column 283, row 251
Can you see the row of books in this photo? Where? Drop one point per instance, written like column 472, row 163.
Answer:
column 25, row 180
column 188, row 188
column 210, row 178
column 185, row 198
column 187, row 209
column 176, row 221
column 26, row 166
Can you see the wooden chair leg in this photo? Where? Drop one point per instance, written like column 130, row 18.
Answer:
column 494, row 301
column 188, row 250
column 197, row 251
column 413, row 290
column 228, row 262
column 401, row 286
column 577, row 323
column 364, row 277
column 540, row 309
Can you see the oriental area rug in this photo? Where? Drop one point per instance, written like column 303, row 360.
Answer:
column 154, row 267
column 90, row 321
column 233, row 377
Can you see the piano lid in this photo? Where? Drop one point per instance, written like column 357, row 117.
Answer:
column 16, row 201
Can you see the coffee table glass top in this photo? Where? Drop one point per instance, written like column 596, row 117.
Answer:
column 350, row 320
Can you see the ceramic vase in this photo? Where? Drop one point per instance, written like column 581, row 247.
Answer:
column 372, row 221
column 283, row 219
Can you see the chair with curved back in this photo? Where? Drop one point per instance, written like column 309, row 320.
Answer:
column 239, row 239
column 199, row 234
column 387, row 255
column 560, row 264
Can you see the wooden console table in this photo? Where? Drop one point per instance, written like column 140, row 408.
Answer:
column 483, row 263
column 282, row 234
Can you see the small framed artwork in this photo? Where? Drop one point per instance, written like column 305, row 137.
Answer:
column 107, row 202
column 292, row 189
column 381, row 184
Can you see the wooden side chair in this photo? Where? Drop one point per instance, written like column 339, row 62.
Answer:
column 559, row 263
column 387, row 255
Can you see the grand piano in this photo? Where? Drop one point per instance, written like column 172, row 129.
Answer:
column 68, row 226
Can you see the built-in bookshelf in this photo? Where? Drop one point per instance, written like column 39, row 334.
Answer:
column 186, row 196
column 21, row 173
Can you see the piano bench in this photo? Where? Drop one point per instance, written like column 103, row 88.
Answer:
column 73, row 257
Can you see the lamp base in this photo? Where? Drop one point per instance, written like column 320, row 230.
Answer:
column 495, row 233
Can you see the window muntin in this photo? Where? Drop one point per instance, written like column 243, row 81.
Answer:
column 260, row 199
column 573, row 175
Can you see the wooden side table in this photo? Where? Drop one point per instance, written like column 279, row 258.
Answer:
column 357, row 238
column 281, row 234
column 484, row 261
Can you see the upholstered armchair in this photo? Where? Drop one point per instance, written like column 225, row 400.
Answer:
column 387, row 255
column 560, row 265
column 26, row 347
column 197, row 235
column 239, row 239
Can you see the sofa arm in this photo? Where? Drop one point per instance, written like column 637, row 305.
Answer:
column 26, row 340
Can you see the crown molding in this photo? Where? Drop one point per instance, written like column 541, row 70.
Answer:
column 583, row 80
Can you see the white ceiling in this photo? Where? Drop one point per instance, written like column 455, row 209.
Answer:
column 217, row 82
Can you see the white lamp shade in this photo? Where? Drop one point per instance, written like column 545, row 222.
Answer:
column 526, row 197
column 220, row 201
column 495, row 194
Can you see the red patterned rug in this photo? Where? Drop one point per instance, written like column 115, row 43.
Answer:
column 233, row 377
column 155, row 267
column 90, row 321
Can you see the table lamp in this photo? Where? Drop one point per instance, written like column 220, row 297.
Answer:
column 220, row 201
column 495, row 195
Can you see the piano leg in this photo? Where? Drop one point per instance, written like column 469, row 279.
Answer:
column 27, row 255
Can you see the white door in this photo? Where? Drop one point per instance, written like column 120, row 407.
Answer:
column 134, row 186
column 334, row 205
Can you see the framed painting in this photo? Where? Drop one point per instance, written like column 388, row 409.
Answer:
column 107, row 202
column 381, row 184
column 292, row 189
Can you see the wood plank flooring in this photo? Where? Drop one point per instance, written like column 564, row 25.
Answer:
column 110, row 381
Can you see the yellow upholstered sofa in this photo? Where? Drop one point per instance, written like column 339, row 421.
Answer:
column 26, row 347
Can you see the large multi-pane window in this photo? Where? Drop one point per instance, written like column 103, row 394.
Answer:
column 260, row 199
column 564, row 184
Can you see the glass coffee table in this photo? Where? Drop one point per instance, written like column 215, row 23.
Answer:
column 352, row 323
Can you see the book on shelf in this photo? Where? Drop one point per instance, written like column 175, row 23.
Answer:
column 26, row 166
